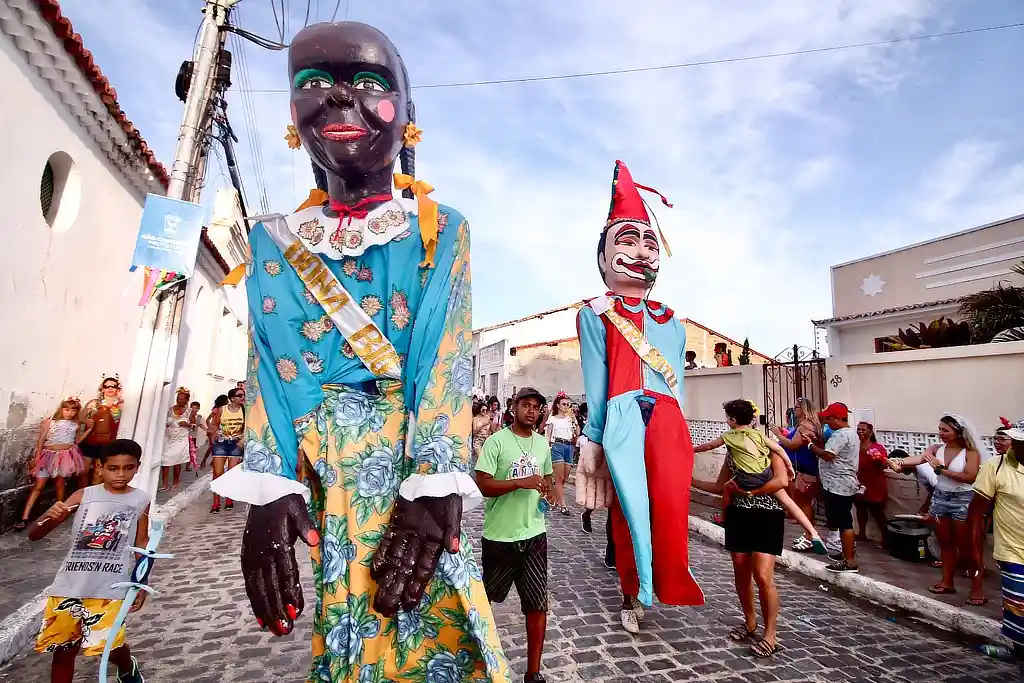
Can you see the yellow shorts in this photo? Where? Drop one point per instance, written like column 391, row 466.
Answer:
column 74, row 622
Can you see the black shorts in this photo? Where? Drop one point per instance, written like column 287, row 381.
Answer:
column 838, row 511
column 523, row 563
column 90, row 450
column 754, row 530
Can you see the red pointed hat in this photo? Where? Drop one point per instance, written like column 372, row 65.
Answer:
column 627, row 206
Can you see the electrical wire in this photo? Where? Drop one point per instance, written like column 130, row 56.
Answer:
column 305, row 22
column 280, row 27
column 251, row 124
column 265, row 43
column 346, row 9
column 334, row 15
column 708, row 62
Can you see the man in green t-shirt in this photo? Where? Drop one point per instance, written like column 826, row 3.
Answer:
column 514, row 473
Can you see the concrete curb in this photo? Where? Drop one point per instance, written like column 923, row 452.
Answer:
column 932, row 611
column 18, row 631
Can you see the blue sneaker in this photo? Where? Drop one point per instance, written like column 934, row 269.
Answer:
column 134, row 677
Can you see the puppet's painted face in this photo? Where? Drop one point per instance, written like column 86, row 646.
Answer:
column 349, row 97
column 631, row 257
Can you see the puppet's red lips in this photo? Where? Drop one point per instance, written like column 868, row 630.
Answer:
column 638, row 267
column 342, row 132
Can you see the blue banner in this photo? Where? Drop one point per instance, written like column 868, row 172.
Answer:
column 169, row 235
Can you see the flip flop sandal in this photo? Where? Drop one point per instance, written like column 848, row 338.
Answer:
column 976, row 602
column 741, row 634
column 935, row 564
column 20, row 525
column 762, row 649
column 939, row 589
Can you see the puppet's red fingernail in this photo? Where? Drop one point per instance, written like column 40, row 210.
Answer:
column 455, row 544
column 292, row 613
column 260, row 622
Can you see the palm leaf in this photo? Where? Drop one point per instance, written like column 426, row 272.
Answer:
column 991, row 311
column 1012, row 334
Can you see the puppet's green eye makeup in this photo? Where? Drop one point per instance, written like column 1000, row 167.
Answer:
column 367, row 80
column 308, row 79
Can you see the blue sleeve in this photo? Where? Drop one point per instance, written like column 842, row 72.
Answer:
column 682, row 362
column 594, row 358
column 281, row 392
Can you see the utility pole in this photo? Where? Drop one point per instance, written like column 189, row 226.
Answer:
column 186, row 180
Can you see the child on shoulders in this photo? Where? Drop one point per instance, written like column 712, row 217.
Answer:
column 750, row 460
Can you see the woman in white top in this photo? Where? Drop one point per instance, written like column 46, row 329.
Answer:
column 561, row 431
column 955, row 462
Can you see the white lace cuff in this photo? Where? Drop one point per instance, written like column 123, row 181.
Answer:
column 440, row 485
column 256, row 488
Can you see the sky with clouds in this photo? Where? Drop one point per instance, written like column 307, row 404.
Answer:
column 777, row 168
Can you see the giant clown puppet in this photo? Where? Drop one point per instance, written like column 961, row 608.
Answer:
column 638, row 460
column 358, row 391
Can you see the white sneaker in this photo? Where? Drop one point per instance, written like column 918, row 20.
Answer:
column 801, row 544
column 834, row 546
column 638, row 609
column 629, row 621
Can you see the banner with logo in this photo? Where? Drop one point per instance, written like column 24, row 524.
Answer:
column 169, row 235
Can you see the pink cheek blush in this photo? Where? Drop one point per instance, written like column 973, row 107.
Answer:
column 386, row 111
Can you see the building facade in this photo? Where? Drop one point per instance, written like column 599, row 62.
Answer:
column 873, row 297
column 76, row 175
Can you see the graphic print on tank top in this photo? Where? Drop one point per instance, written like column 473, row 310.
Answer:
column 103, row 533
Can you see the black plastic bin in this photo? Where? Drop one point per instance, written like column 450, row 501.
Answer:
column 908, row 539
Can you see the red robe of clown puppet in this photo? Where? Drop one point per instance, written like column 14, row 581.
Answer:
column 632, row 350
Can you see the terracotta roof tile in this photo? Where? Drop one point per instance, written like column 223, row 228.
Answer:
column 212, row 248
column 62, row 28
column 885, row 311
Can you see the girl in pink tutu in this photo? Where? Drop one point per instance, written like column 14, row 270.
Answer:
column 57, row 456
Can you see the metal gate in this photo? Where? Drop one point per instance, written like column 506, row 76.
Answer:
column 795, row 373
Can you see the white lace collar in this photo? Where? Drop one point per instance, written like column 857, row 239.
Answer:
column 337, row 239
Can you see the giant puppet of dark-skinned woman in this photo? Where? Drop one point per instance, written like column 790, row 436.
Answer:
column 638, row 458
column 358, row 391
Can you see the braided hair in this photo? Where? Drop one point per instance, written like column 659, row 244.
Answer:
column 407, row 155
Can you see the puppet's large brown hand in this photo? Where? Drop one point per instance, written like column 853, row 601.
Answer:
column 268, row 560
column 408, row 553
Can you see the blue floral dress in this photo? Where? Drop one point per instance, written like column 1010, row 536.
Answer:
column 312, row 401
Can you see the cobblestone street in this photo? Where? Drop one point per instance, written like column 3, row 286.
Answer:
column 199, row 629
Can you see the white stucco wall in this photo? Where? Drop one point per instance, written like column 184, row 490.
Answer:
column 70, row 306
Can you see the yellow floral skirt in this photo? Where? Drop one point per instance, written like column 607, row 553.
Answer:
column 359, row 444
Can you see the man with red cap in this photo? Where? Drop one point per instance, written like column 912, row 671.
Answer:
column 837, row 470
column 639, row 458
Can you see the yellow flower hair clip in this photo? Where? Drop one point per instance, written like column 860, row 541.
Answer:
column 412, row 135
column 292, row 136
column 182, row 390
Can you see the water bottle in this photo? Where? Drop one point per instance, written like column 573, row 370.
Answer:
column 543, row 505
column 996, row 652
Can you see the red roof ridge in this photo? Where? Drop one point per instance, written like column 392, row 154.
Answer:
column 82, row 57
column 722, row 336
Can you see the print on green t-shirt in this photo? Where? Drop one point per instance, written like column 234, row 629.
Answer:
column 514, row 516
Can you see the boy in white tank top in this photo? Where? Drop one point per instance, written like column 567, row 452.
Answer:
column 110, row 519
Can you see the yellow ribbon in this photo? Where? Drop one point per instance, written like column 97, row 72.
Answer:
column 427, row 214
column 664, row 242
column 234, row 277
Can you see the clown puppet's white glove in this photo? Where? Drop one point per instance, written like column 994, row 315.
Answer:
column 593, row 480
